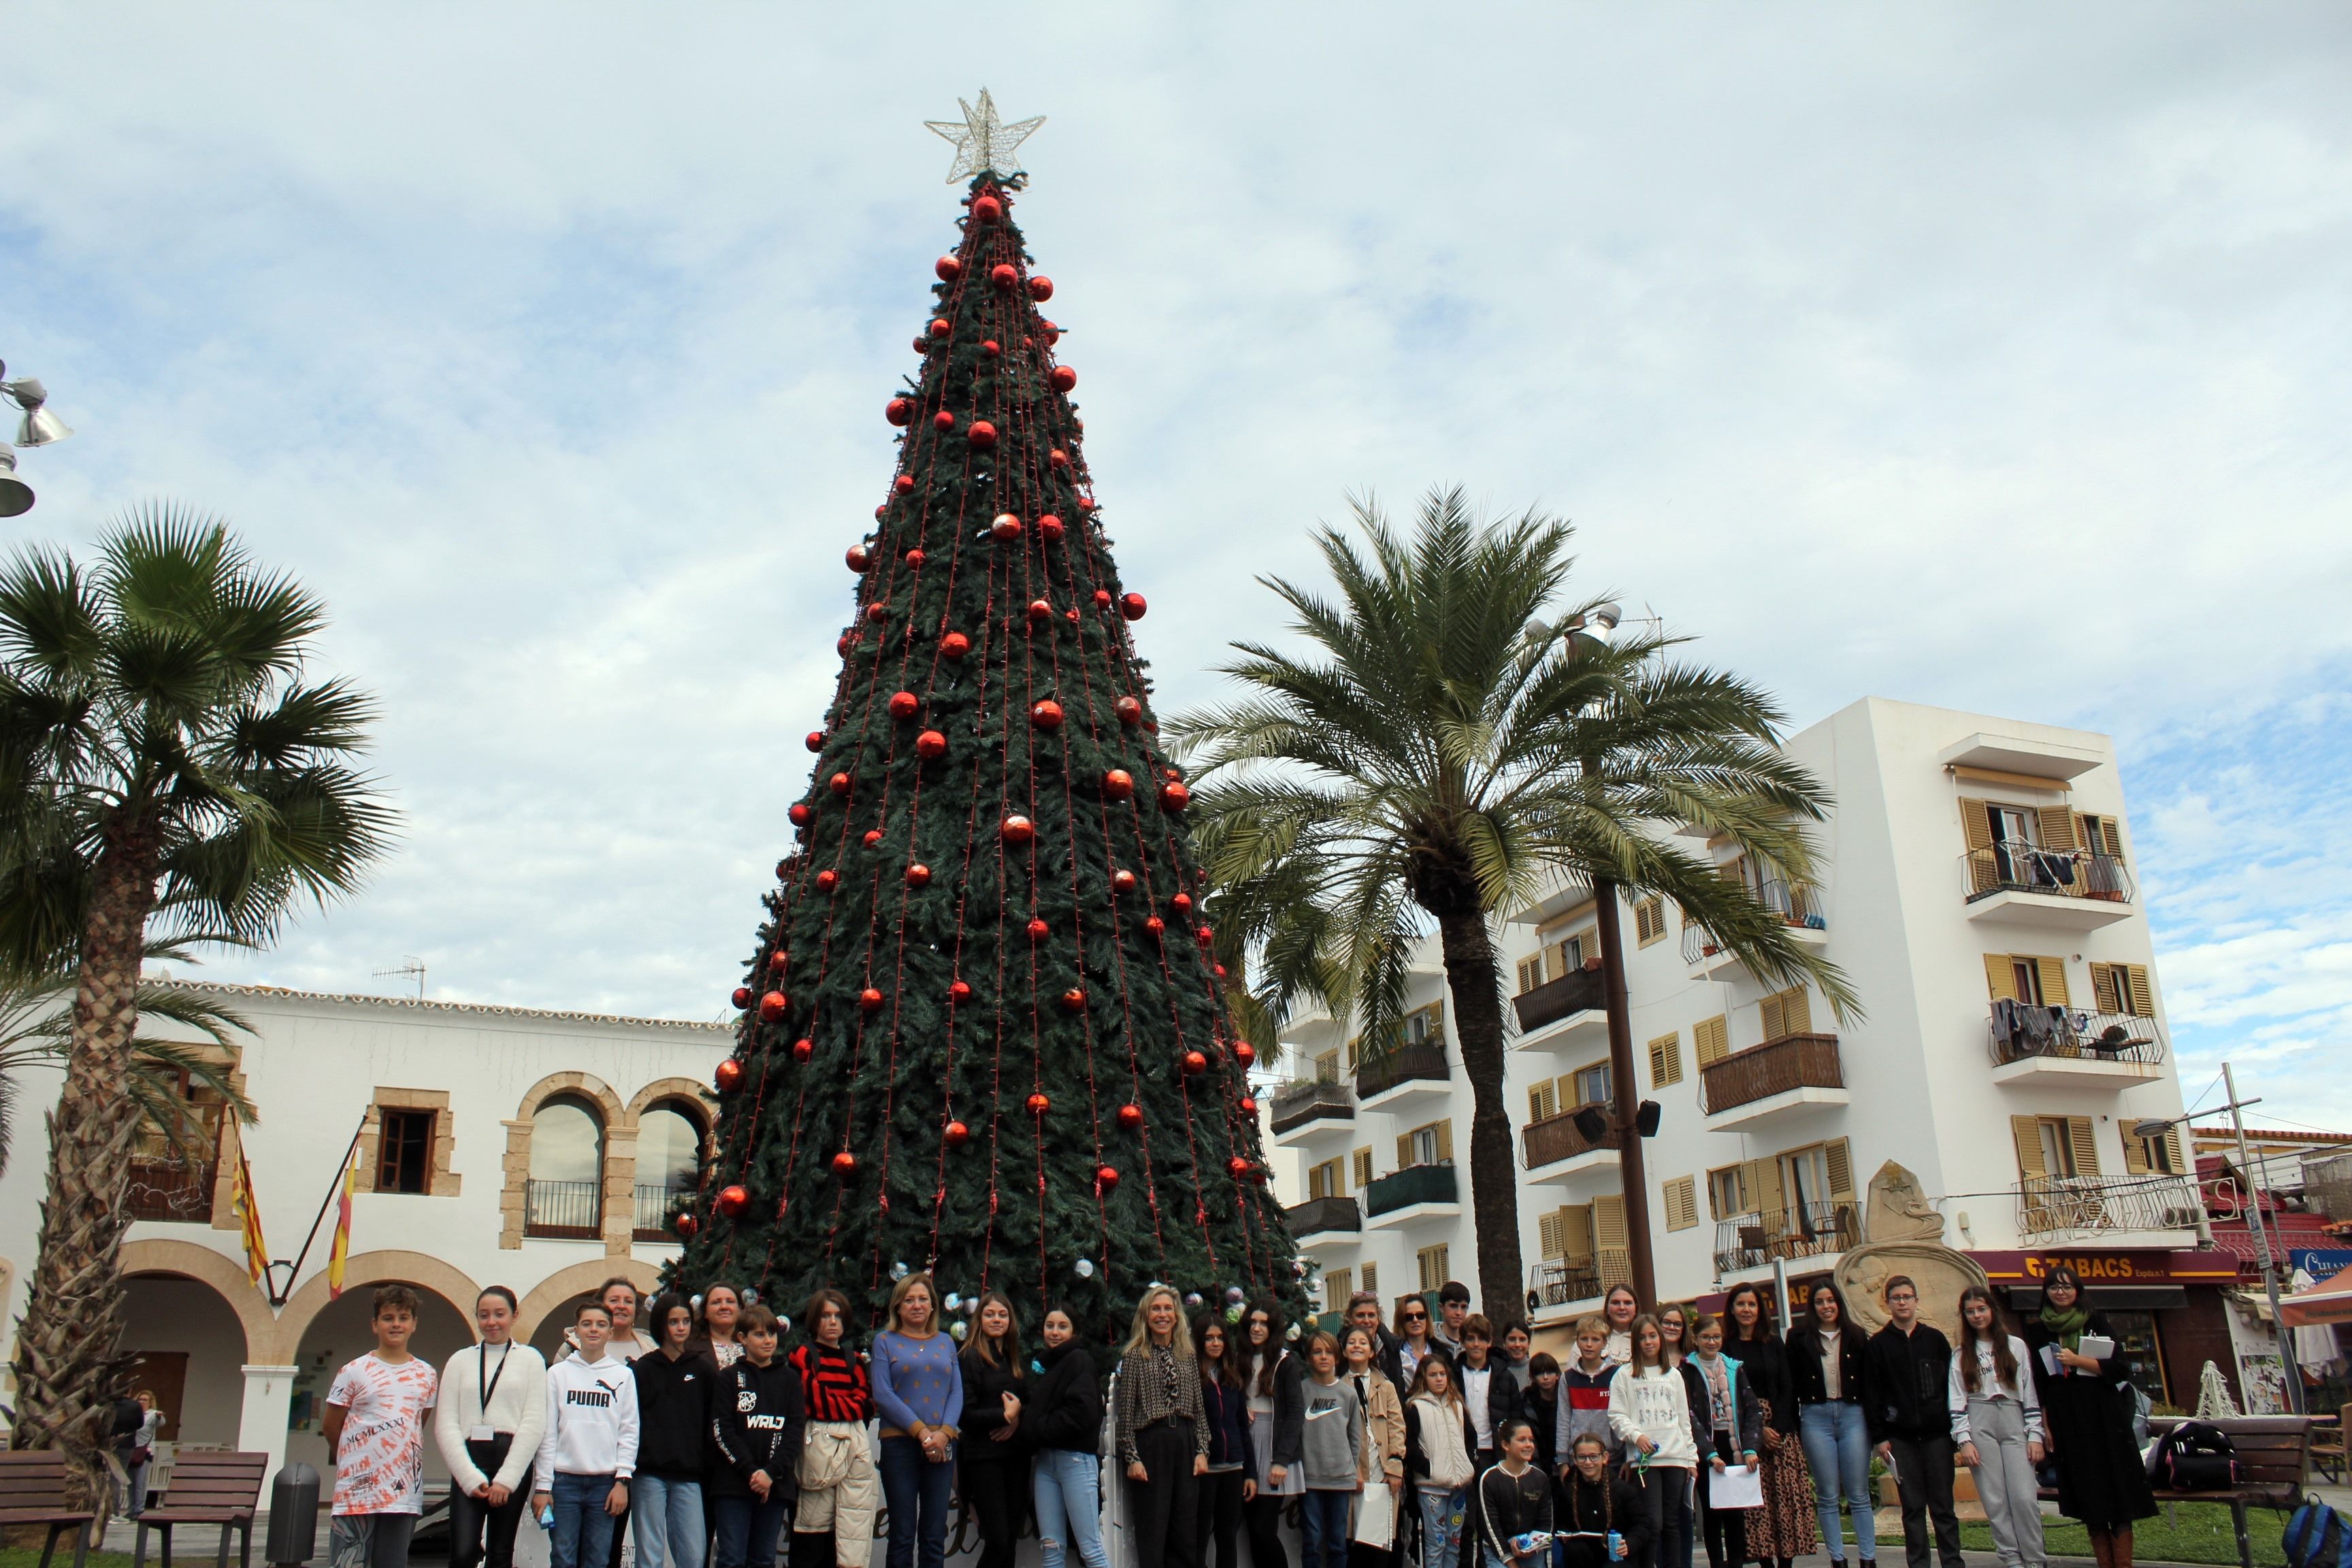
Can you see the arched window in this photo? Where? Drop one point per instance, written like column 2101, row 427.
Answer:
column 669, row 1161
column 567, row 1170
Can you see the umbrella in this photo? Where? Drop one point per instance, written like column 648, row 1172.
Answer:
column 2329, row 1301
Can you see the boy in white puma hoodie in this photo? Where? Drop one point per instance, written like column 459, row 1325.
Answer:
column 591, row 1447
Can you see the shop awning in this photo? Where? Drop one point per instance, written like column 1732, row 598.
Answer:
column 2329, row 1301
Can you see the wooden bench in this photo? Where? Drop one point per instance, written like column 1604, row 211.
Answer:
column 221, row 1488
column 36, row 1489
column 2273, row 1467
column 2328, row 1443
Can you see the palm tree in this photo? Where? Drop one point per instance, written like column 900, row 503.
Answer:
column 164, row 758
column 1438, row 756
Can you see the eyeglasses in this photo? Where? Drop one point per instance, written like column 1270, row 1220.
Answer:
column 1416, row 1317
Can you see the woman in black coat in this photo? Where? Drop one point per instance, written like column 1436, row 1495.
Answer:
column 2101, row 1479
column 1065, row 1416
column 1784, row 1529
column 991, row 1448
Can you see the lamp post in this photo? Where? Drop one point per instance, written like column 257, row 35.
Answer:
column 39, row 427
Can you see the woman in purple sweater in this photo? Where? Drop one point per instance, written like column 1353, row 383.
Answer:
column 918, row 1390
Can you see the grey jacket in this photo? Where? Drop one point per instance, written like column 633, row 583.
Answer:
column 1335, row 1437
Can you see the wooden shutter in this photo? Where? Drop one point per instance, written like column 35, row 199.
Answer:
column 1404, row 1151
column 2052, row 974
column 1576, row 1231
column 2143, row 1001
column 2106, row 996
column 1711, row 1039
column 2057, row 826
column 1787, row 1013
column 1531, row 972
column 1976, row 823
column 2082, row 1142
column 1773, row 1015
column 1609, row 1238
column 1839, row 1156
column 2100, row 835
column 1549, row 1243
column 2172, row 1143
column 1681, row 1197
column 1363, row 1169
column 2000, row 978
column 2111, row 832
column 2025, row 1131
column 2136, row 1162
column 1766, row 1194
column 1666, row 1060
column 1543, row 1103
column 1445, row 1142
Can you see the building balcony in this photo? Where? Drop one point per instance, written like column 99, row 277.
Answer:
column 1559, row 1287
column 2069, row 1208
column 1808, row 1230
column 2061, row 889
column 1570, row 1014
column 2059, row 1045
column 1800, row 912
column 1413, row 1195
column 1779, row 1077
column 174, row 1191
column 1405, row 1076
column 1325, row 1217
column 655, row 1202
column 1313, row 1108
column 563, row 1211
column 1708, row 958
column 1556, row 1149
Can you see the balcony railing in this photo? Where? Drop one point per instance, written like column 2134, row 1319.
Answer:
column 654, row 1207
column 1700, row 943
column 1776, row 1067
column 171, row 1190
column 1401, row 1065
column 1577, row 991
column 1558, row 1281
column 2018, row 1031
column 1807, row 1230
column 2089, row 1206
column 1556, row 1138
column 1324, row 1213
column 569, row 1210
column 1800, row 906
column 1296, row 1104
column 1414, row 1184
column 2005, row 868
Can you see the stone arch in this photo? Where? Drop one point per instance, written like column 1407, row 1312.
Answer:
column 576, row 1280
column 620, row 1158
column 364, row 1268
column 187, row 1260
column 693, row 1091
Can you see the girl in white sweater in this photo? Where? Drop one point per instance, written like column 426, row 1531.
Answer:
column 1649, row 1415
column 491, row 1415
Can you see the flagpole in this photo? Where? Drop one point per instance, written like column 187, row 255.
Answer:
column 342, row 1173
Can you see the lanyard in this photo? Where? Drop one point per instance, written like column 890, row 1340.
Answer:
column 491, row 1387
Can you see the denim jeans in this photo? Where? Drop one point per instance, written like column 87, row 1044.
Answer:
column 1323, row 1528
column 667, row 1511
column 1441, row 1525
column 1067, row 1486
column 917, row 1493
column 1837, row 1451
column 584, row 1531
column 744, row 1531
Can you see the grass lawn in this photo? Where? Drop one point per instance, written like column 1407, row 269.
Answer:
column 2204, row 1535
column 30, row 1557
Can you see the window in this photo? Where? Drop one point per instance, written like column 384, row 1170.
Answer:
column 1531, row 974
column 1427, row 1145
column 1681, row 1197
column 1817, row 1174
column 404, row 1151
column 1363, row 1169
column 1434, row 1267
column 2054, row 1145
column 2122, row 988
column 1592, row 1084
column 1372, row 1272
column 1726, row 1192
column 566, row 1197
column 1649, row 921
column 1711, row 1039
column 2034, row 979
column 2156, row 1155
column 1338, row 1284
column 1543, row 1101
column 669, row 1166
column 1326, row 1065
column 1325, row 1181
column 1666, row 1060
column 2101, row 835
column 1425, row 1023
column 1787, row 1013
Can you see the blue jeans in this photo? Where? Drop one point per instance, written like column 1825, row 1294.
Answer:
column 745, row 1530
column 584, row 1531
column 1323, row 1528
column 1837, row 1451
column 1441, row 1525
column 1067, row 1487
column 665, row 1514
column 917, row 1492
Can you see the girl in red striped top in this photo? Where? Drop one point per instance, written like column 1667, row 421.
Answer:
column 839, row 1488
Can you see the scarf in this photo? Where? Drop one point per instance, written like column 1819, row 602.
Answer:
column 2067, row 1325
column 1718, row 1378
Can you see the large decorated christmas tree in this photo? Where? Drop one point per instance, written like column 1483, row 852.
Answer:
column 983, row 1031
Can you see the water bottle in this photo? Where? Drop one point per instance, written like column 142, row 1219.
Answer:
column 547, row 1518
column 1616, row 1547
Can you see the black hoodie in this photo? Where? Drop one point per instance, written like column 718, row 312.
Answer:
column 755, row 1419
column 1065, row 1408
column 673, row 1413
column 1583, row 1512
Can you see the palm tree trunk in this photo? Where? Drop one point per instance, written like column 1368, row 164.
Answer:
column 1632, row 1180
column 1473, row 977
column 68, row 1360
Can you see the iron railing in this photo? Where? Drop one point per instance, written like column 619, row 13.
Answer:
column 1700, row 943
column 1414, row 1184
column 1312, row 1099
column 655, row 1205
column 2090, row 1205
column 1577, row 991
column 173, row 1190
column 1338, row 1213
column 1556, row 1138
column 2009, row 867
column 1776, row 1067
column 1402, row 1064
column 1799, row 906
column 570, row 1211
column 2017, row 1031
column 1807, row 1230
column 1558, row 1281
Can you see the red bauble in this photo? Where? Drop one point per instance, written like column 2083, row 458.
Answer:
column 1243, row 1052
column 685, row 1225
column 1174, row 796
column 1046, row 715
column 982, row 434
column 1063, row 378
column 786, row 867
column 1087, row 504
column 1019, row 830
column 1102, row 598
column 838, row 783
column 845, row 1163
column 955, row 645
column 948, row 267
column 914, row 558
column 904, row 484
column 1182, row 903
column 931, row 743
column 955, row 1134
column 772, row 1007
column 1039, row 610
column 879, row 610
column 1038, row 929
column 1132, row 606
column 1074, row 1000
column 958, row 993
column 1041, row 289
column 990, row 348
column 1071, row 615
column 1119, row 784
column 1204, row 936
column 742, row 995
column 881, row 511
column 729, row 1076
column 844, row 643
column 1005, row 275
column 873, row 836
column 1155, row 925
column 816, row 740
column 1006, row 528
column 857, row 558
column 733, row 1201
column 1039, row 1105
column 800, row 813
column 1220, row 970
column 1130, row 1117
column 778, row 960
column 1249, row 1105
column 1058, row 458
column 943, row 420
column 903, row 704
column 987, row 209
column 1238, row 1168
column 1195, row 1064
column 1105, row 1178
column 803, row 1049
column 1129, row 710
column 1171, row 773
column 870, row 1000
column 899, row 411
column 1122, row 881
column 918, row 875
column 1049, row 528
column 827, row 879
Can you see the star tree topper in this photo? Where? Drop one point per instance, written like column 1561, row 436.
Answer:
column 983, row 144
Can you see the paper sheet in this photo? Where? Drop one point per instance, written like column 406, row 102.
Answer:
column 1736, row 1486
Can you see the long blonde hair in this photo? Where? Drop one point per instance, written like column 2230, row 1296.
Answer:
column 1179, row 1340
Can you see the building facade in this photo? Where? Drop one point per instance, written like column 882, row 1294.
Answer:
column 540, row 1151
column 1975, row 886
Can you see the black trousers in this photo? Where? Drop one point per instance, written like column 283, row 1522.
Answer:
column 471, row 1518
column 812, row 1550
column 1922, row 1474
column 1218, row 1519
column 1162, row 1511
column 1725, row 1532
column 997, row 1492
column 1263, row 1517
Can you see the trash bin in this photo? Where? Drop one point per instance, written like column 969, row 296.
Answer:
column 293, row 1515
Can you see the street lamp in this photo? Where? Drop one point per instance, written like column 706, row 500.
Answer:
column 39, row 427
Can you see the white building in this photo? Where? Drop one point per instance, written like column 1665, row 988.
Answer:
column 1975, row 875
column 497, row 1146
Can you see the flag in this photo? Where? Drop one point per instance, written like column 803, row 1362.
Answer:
column 343, row 1251
column 256, row 1251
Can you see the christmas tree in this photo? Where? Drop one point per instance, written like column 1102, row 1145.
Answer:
column 983, row 1031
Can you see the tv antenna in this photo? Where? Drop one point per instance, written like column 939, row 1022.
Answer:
column 411, row 968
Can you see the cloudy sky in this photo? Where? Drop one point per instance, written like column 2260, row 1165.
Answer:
column 1976, row 357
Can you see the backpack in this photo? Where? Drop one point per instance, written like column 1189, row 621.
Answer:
column 2315, row 1537
column 2195, row 1455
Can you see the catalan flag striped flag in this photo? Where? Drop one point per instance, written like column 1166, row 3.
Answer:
column 249, row 1210
column 342, row 1251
